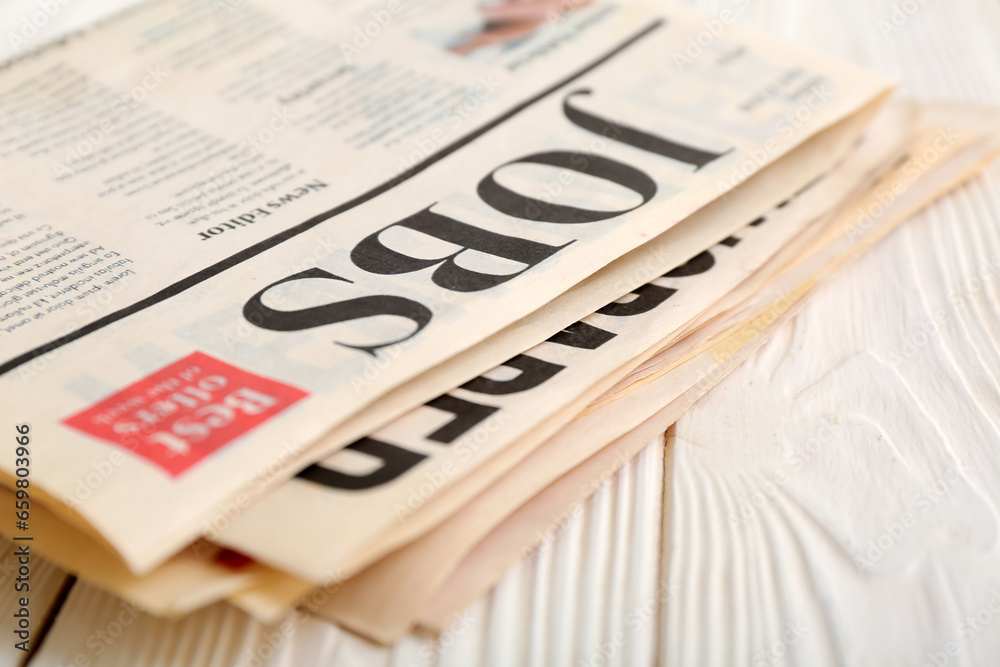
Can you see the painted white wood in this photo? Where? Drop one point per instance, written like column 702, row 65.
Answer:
column 47, row 584
column 843, row 482
column 603, row 566
column 905, row 407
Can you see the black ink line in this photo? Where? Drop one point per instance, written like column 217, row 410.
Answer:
column 256, row 249
column 57, row 606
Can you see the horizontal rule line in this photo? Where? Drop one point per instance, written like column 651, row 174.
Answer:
column 256, row 249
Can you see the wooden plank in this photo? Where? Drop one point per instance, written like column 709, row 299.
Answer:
column 735, row 588
column 834, row 500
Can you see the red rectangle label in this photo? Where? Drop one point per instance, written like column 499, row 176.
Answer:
column 182, row 413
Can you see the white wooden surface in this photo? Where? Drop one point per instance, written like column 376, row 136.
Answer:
column 869, row 408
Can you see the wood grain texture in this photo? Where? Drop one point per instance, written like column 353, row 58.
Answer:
column 868, row 407
column 565, row 604
column 835, row 499
column 47, row 586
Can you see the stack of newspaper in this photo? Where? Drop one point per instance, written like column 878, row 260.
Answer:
column 341, row 307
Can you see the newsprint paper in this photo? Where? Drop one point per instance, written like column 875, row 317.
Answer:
column 216, row 216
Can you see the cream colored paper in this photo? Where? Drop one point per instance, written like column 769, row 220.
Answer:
column 409, row 505
column 186, row 582
column 134, row 203
column 483, row 477
column 496, row 553
column 353, row 604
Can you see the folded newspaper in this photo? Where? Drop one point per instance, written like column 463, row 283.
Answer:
column 341, row 306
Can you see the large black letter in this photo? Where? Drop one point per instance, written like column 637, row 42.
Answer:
column 637, row 138
column 647, row 298
column 529, row 208
column 372, row 256
column 395, row 461
column 700, row 263
column 533, row 373
column 266, row 317
column 467, row 414
column 582, row 335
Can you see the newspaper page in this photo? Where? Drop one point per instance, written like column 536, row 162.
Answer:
column 386, row 480
column 215, row 215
